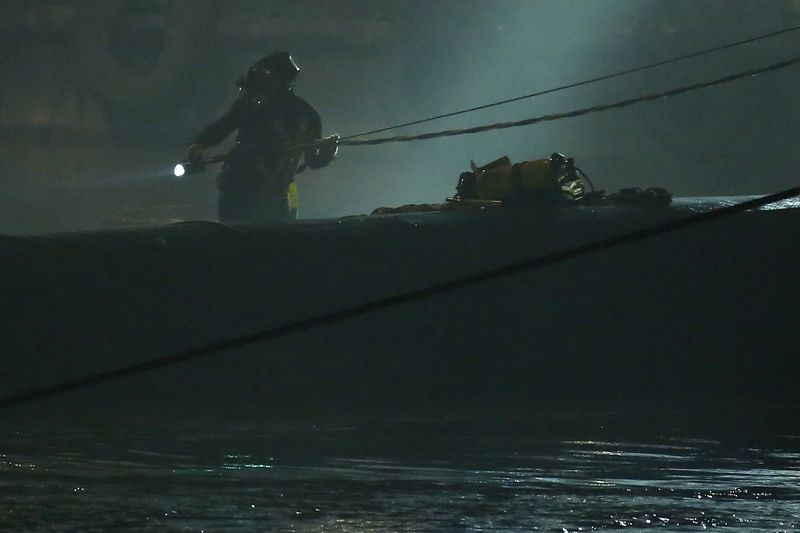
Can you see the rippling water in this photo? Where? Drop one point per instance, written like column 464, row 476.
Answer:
column 392, row 477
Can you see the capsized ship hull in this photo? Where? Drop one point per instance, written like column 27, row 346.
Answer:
column 702, row 316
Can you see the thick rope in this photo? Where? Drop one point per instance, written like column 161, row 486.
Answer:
column 391, row 301
column 576, row 113
column 582, row 83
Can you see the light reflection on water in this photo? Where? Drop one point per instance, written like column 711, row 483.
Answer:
column 396, row 478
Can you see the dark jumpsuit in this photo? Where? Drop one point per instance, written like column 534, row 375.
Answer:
column 255, row 178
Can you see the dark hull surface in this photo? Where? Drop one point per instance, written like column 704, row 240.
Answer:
column 704, row 316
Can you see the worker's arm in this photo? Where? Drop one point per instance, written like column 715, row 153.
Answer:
column 324, row 151
column 216, row 131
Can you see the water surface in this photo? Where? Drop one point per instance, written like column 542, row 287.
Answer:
column 399, row 476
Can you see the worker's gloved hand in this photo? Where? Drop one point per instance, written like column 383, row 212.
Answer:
column 327, row 148
column 194, row 154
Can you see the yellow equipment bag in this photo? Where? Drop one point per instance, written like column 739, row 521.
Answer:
column 501, row 180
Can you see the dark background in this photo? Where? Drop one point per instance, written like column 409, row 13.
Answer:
column 98, row 98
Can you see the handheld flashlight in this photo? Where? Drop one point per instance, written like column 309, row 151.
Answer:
column 184, row 168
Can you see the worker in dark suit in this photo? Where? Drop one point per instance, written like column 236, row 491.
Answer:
column 276, row 129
